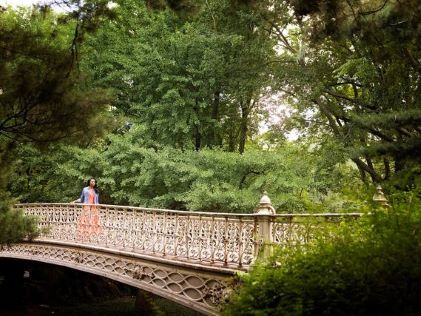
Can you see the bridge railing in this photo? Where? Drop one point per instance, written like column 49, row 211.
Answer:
column 223, row 239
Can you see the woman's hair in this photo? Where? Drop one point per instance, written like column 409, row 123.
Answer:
column 96, row 184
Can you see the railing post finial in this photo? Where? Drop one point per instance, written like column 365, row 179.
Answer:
column 263, row 221
column 379, row 197
column 265, row 206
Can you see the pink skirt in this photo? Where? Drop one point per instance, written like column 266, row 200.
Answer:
column 89, row 223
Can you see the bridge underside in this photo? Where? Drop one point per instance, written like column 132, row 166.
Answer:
column 187, row 285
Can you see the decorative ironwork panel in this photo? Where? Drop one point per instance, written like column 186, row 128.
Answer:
column 300, row 228
column 186, row 236
column 202, row 238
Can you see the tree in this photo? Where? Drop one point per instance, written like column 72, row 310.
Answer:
column 351, row 68
column 208, row 180
column 43, row 96
column 50, row 103
column 189, row 81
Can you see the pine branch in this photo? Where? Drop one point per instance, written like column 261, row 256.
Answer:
column 375, row 177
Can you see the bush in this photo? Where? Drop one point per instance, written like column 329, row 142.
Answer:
column 15, row 226
column 368, row 267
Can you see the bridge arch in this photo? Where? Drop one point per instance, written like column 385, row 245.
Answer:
column 199, row 289
column 187, row 257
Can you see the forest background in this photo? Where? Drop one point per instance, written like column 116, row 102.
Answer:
column 191, row 105
column 188, row 105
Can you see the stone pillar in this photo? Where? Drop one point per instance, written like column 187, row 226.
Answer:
column 263, row 218
column 380, row 198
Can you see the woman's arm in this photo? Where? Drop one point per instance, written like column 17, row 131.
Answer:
column 81, row 199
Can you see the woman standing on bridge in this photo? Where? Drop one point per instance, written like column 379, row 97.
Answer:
column 89, row 221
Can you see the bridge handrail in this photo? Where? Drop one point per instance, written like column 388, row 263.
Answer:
column 139, row 208
column 210, row 238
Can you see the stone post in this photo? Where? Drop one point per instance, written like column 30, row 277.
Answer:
column 263, row 219
column 379, row 197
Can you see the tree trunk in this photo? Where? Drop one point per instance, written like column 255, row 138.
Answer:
column 214, row 137
column 376, row 178
column 197, row 138
column 363, row 176
column 231, row 142
column 245, row 111
column 197, row 135
column 386, row 168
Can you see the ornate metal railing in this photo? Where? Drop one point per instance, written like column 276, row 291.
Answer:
column 219, row 239
column 293, row 229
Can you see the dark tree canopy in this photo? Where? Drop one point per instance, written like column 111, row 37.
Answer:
column 358, row 72
column 44, row 98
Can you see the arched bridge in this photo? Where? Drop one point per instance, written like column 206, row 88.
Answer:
column 188, row 257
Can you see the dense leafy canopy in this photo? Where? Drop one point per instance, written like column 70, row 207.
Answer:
column 42, row 98
column 192, row 83
column 190, row 105
column 209, row 180
column 172, row 103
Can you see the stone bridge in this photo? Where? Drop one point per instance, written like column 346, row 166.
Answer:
column 188, row 257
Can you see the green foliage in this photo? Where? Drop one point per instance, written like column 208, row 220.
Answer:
column 44, row 98
column 368, row 267
column 188, row 82
column 356, row 78
column 53, row 102
column 56, row 175
column 14, row 226
column 209, row 180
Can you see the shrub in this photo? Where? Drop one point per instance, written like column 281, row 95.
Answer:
column 368, row 267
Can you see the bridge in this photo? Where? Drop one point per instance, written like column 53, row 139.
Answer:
column 188, row 257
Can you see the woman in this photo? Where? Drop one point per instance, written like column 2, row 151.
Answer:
column 90, row 193
column 89, row 221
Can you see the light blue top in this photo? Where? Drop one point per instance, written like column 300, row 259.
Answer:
column 84, row 196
